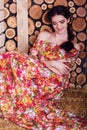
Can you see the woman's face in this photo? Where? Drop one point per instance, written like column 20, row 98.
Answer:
column 59, row 24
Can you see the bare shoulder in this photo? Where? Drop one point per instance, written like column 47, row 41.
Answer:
column 44, row 35
column 77, row 46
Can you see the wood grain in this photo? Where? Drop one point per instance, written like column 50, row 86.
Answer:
column 22, row 25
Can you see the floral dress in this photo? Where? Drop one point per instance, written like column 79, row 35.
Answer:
column 29, row 91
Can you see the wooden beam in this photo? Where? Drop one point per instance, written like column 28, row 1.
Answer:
column 1, row 4
column 22, row 25
column 2, row 27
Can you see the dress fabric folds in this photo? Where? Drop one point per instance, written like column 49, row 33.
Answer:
column 29, row 91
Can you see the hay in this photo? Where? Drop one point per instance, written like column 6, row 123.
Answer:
column 7, row 125
column 75, row 101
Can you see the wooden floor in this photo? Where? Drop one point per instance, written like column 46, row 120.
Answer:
column 73, row 100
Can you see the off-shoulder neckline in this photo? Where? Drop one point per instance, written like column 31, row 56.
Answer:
column 52, row 42
column 47, row 42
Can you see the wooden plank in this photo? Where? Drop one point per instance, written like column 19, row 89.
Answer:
column 1, row 4
column 2, row 40
column 2, row 50
column 1, row 10
column 22, row 25
column 2, row 27
column 1, row 15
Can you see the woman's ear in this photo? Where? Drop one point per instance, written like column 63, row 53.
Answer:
column 68, row 20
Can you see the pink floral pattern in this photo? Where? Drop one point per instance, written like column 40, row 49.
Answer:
column 29, row 91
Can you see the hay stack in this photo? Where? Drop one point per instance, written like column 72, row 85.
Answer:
column 74, row 100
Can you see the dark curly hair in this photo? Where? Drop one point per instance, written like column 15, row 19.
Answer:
column 64, row 11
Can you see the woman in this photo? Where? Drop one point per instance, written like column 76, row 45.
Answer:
column 30, row 86
column 62, row 33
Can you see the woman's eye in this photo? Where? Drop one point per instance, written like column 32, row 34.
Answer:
column 53, row 23
column 62, row 21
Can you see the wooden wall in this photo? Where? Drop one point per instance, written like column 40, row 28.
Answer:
column 24, row 19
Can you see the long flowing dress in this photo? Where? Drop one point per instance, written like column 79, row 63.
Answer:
column 29, row 91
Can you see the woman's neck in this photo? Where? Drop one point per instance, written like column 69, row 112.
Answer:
column 60, row 38
column 63, row 36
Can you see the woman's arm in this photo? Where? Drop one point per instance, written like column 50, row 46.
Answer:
column 77, row 46
column 36, row 46
column 58, row 67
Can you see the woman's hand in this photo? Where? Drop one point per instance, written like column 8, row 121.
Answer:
column 58, row 67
